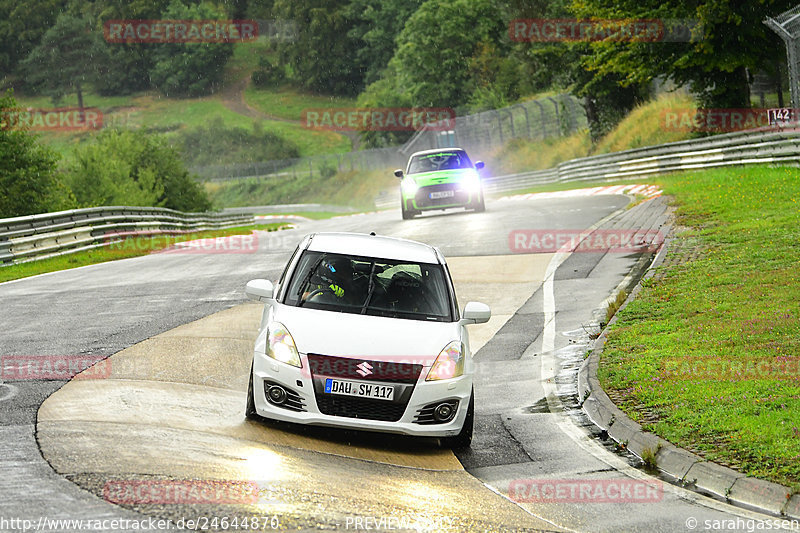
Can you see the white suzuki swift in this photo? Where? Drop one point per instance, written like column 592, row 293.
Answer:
column 364, row 332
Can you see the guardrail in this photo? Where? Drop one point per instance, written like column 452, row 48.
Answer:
column 46, row 235
column 740, row 148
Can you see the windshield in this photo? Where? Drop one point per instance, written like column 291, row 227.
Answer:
column 438, row 161
column 371, row 286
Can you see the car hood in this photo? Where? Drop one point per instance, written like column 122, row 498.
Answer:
column 350, row 335
column 441, row 176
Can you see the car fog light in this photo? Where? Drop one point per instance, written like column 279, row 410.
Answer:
column 277, row 395
column 443, row 412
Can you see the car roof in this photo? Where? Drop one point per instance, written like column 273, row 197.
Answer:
column 374, row 246
column 435, row 150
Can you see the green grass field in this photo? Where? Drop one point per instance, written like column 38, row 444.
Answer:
column 355, row 189
column 289, row 103
column 707, row 355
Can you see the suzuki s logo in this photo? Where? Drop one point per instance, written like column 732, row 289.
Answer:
column 364, row 369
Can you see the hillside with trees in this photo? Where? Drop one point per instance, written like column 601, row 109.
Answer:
column 373, row 53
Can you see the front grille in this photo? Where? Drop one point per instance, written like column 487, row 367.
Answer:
column 425, row 415
column 294, row 402
column 404, row 376
column 423, row 199
column 360, row 408
column 346, row 368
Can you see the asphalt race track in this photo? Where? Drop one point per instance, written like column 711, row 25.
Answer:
column 169, row 407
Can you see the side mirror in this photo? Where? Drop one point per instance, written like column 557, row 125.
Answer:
column 479, row 165
column 476, row 313
column 398, row 173
column 259, row 290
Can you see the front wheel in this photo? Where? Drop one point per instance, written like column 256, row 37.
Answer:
column 464, row 437
column 480, row 207
column 407, row 214
column 250, row 409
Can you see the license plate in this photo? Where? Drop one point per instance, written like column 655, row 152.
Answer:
column 442, row 194
column 361, row 389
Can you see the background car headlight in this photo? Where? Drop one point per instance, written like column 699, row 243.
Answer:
column 449, row 363
column 409, row 186
column 471, row 181
column 280, row 345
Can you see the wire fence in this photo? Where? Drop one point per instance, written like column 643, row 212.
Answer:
column 478, row 133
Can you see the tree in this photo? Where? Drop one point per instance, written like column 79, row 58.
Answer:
column 29, row 183
column 323, row 57
column 125, row 69
column 731, row 39
column 376, row 25
column 432, row 60
column 66, row 59
column 190, row 69
column 567, row 65
column 22, row 25
column 133, row 168
column 441, row 60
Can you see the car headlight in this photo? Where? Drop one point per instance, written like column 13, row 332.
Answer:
column 280, row 345
column 409, row 186
column 471, row 181
column 449, row 364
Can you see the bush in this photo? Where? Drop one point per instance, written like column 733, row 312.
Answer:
column 268, row 75
column 327, row 170
column 214, row 144
column 133, row 168
column 28, row 178
column 192, row 69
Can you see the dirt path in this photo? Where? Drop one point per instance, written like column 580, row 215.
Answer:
column 233, row 99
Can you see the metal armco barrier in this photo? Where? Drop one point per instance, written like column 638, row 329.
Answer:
column 781, row 147
column 34, row 237
column 741, row 148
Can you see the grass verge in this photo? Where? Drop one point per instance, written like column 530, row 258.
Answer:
column 131, row 247
column 707, row 355
column 288, row 103
column 313, row 215
column 356, row 189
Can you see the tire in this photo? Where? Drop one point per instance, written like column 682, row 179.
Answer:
column 250, row 410
column 464, row 437
column 480, row 207
column 407, row 215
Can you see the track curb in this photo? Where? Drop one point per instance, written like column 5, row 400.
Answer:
column 687, row 469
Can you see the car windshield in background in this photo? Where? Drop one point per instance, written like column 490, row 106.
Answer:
column 439, row 161
column 370, row 286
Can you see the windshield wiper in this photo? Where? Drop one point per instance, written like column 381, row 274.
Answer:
column 370, row 289
column 308, row 277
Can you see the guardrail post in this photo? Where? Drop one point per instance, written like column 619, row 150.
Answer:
column 558, row 118
column 499, row 125
column 527, row 118
column 544, row 119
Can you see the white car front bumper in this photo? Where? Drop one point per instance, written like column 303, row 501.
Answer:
column 300, row 383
